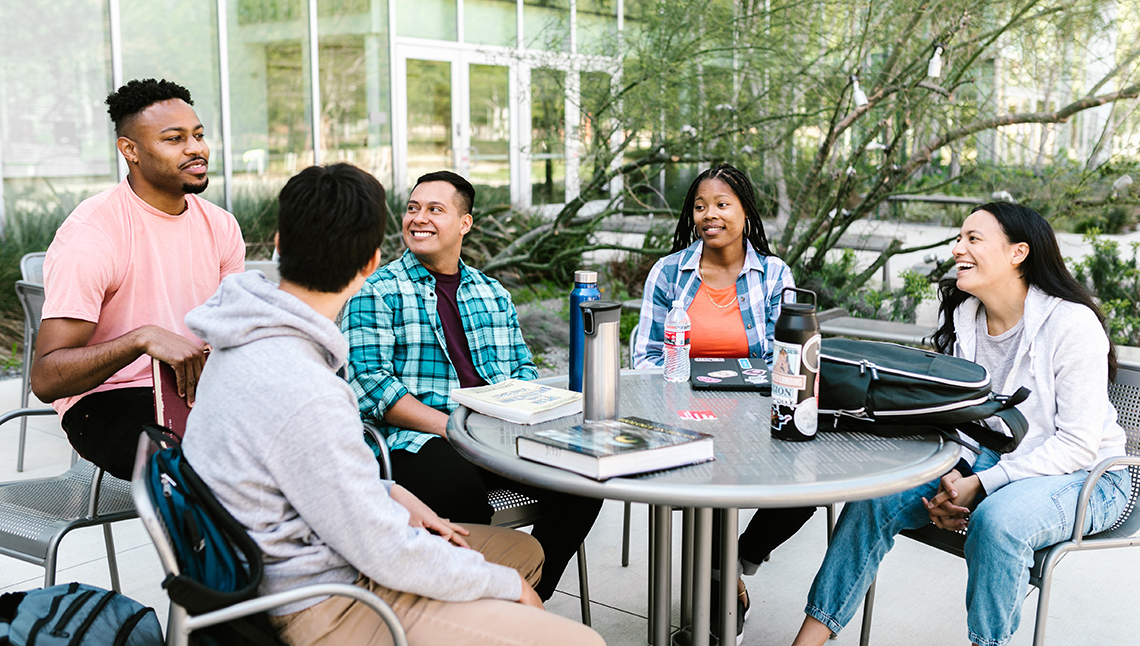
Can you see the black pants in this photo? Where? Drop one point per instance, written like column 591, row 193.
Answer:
column 457, row 490
column 767, row 530
column 104, row 427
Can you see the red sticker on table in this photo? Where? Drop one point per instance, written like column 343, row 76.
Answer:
column 696, row 415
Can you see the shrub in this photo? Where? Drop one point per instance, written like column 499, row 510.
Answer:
column 1115, row 283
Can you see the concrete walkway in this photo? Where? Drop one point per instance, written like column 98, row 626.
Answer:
column 920, row 598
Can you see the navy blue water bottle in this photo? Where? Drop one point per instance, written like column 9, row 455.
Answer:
column 585, row 289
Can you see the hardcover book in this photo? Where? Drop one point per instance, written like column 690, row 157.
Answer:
column 617, row 447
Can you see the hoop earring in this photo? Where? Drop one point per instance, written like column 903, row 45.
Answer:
column 694, row 233
column 747, row 228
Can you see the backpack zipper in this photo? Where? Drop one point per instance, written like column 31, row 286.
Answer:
column 42, row 621
column 875, row 368
column 128, row 627
column 75, row 607
column 87, row 622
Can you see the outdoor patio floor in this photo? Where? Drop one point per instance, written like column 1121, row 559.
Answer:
column 920, row 596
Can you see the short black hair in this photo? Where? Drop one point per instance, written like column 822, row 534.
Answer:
column 331, row 221
column 136, row 96
column 462, row 186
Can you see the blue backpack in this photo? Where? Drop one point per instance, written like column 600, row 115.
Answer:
column 75, row 614
column 219, row 563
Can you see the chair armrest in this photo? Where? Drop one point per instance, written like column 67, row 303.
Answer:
column 25, row 412
column 1087, row 489
column 385, row 456
column 262, row 604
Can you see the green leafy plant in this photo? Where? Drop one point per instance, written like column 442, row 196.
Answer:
column 1115, row 282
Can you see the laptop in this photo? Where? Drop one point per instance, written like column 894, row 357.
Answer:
column 730, row 374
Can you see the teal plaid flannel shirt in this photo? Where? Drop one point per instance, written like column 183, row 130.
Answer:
column 396, row 342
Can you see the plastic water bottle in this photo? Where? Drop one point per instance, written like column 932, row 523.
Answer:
column 677, row 326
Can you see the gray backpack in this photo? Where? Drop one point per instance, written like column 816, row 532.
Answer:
column 889, row 389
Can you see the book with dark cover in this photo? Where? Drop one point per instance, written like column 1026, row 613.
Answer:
column 618, row 447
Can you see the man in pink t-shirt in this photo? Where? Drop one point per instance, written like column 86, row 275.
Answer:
column 122, row 272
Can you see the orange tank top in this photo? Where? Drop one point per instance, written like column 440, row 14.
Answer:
column 717, row 331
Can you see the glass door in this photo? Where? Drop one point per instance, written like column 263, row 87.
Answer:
column 453, row 113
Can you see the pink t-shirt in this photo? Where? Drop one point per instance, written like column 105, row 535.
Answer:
column 121, row 264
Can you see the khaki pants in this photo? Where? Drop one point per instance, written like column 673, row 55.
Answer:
column 341, row 621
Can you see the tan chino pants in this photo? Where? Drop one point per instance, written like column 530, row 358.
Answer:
column 340, row 621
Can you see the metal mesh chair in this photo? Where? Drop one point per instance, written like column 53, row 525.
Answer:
column 31, row 297
column 511, row 509
column 180, row 624
column 35, row 515
column 32, row 267
column 1124, row 393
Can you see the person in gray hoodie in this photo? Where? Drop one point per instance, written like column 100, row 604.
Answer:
column 1015, row 309
column 275, row 434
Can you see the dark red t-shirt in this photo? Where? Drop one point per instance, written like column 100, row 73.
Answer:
column 457, row 348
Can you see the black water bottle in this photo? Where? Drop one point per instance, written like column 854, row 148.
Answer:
column 795, row 370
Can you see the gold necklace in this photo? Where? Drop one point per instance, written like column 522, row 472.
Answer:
column 708, row 292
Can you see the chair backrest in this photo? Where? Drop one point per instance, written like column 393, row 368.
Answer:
column 1124, row 393
column 32, row 267
column 633, row 342
column 159, row 535
column 31, row 297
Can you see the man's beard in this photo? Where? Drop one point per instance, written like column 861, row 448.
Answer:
column 194, row 189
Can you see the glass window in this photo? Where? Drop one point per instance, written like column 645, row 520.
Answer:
column 490, row 169
column 546, row 24
column 269, row 106
column 548, row 136
column 490, row 22
column 154, row 38
column 429, row 117
column 597, row 27
column 596, row 126
column 355, row 96
column 435, row 19
column 56, row 140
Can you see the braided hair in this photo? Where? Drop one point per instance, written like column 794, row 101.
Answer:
column 686, row 232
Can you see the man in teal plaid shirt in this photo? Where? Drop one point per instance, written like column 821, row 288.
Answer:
column 425, row 324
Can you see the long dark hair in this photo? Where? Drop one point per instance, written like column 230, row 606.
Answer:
column 1044, row 268
column 742, row 187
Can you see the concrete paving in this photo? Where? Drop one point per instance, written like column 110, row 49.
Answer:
column 920, row 598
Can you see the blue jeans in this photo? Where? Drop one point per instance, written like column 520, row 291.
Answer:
column 1005, row 529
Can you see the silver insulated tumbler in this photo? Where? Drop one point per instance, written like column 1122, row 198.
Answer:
column 601, row 369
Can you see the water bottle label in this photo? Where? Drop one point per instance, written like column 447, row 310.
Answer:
column 677, row 336
column 787, row 381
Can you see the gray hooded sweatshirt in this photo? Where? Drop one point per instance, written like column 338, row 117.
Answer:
column 275, row 434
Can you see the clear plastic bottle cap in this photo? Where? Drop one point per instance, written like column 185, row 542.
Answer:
column 679, row 304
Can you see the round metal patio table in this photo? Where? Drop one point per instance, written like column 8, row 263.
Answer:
column 751, row 470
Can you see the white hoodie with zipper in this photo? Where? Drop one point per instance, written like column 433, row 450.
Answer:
column 1062, row 359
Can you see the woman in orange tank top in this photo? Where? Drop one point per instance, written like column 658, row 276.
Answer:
column 730, row 282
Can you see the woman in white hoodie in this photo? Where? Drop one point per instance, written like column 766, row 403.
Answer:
column 1015, row 309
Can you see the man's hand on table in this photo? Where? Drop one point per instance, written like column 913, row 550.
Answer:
column 423, row 516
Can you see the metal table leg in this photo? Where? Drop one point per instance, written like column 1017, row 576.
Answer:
column 687, row 520
column 728, row 550
column 702, row 576
column 662, row 573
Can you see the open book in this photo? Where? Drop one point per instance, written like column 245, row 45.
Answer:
column 521, row 402
column 616, row 447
